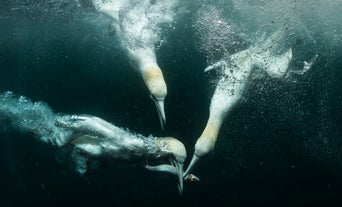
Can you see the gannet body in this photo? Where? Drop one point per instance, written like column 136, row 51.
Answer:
column 92, row 136
column 87, row 137
column 229, row 89
column 141, row 55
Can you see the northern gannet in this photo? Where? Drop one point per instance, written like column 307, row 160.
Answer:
column 88, row 137
column 144, row 61
column 135, row 25
column 93, row 136
column 230, row 87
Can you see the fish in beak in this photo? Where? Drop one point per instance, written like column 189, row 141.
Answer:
column 161, row 111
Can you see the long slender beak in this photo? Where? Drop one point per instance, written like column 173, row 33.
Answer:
column 163, row 168
column 179, row 169
column 192, row 164
column 161, row 111
column 176, row 168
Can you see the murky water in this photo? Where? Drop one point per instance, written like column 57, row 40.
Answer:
column 281, row 145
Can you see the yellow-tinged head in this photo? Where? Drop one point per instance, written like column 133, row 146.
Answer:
column 154, row 80
column 173, row 147
column 174, row 151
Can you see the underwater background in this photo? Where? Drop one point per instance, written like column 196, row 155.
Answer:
column 281, row 145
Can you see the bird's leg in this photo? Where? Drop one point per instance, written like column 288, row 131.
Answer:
column 275, row 66
column 80, row 161
column 218, row 65
column 306, row 67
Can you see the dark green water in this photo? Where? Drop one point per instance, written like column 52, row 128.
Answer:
column 281, row 146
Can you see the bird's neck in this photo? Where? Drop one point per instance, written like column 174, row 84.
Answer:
column 212, row 128
column 134, row 146
column 142, row 58
column 153, row 147
column 207, row 140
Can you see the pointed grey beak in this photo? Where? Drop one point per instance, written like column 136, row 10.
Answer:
column 161, row 112
column 192, row 164
column 176, row 168
column 163, row 168
column 179, row 169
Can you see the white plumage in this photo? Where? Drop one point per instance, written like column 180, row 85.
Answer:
column 89, row 137
column 137, row 25
column 229, row 89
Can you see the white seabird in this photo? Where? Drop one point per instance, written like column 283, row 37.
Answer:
column 92, row 136
column 144, row 61
column 134, row 23
column 230, row 87
column 87, row 137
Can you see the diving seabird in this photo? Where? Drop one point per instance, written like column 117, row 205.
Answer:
column 141, row 55
column 92, row 136
column 230, row 87
column 144, row 61
column 87, row 137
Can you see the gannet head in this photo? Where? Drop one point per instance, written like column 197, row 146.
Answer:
column 173, row 150
column 154, row 80
column 205, row 144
